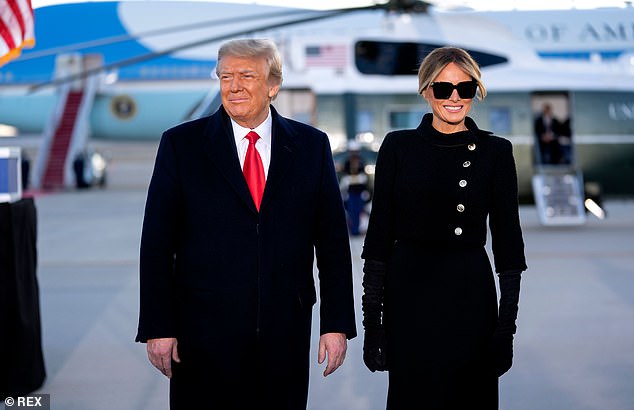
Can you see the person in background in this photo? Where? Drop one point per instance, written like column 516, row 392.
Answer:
column 26, row 170
column 564, row 141
column 430, row 312
column 546, row 133
column 238, row 205
column 354, row 187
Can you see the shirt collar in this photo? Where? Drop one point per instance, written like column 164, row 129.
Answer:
column 263, row 130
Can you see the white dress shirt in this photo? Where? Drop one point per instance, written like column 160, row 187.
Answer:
column 263, row 145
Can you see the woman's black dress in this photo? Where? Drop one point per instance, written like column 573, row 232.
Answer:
column 433, row 194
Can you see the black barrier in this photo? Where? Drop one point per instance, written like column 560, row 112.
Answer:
column 20, row 329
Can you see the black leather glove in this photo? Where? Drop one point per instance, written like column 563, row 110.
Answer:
column 501, row 353
column 501, row 347
column 374, row 353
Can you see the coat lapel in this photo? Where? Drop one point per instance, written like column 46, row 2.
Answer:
column 282, row 157
column 221, row 148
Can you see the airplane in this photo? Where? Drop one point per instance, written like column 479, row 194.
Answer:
column 144, row 67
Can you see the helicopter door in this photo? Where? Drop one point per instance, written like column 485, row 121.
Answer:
column 557, row 184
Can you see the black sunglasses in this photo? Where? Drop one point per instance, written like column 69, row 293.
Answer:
column 443, row 90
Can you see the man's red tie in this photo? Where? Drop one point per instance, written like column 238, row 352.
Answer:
column 254, row 170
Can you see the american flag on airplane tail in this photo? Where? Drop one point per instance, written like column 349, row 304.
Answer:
column 16, row 28
column 333, row 55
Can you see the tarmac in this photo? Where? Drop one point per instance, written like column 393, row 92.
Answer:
column 573, row 350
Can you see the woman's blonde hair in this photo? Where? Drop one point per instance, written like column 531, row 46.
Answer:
column 439, row 58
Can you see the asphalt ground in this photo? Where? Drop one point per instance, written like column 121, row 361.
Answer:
column 573, row 349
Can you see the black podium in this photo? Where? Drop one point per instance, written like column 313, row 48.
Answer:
column 20, row 329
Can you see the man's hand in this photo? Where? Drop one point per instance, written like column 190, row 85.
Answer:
column 161, row 352
column 335, row 345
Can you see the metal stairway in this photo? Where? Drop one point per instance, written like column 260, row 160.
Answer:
column 60, row 145
column 559, row 197
column 68, row 128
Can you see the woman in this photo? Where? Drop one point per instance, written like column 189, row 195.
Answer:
column 430, row 310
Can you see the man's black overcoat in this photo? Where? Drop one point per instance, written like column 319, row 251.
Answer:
column 235, row 286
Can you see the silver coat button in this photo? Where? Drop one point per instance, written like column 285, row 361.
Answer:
column 462, row 183
column 466, row 164
column 460, row 208
column 458, row 231
column 471, row 147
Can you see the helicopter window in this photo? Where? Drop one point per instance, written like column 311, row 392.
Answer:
column 403, row 58
column 500, row 120
column 405, row 119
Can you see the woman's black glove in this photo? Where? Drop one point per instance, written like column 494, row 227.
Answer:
column 501, row 347
column 374, row 354
column 501, row 353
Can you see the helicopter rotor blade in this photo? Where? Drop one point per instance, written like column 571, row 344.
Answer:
column 150, row 33
column 392, row 5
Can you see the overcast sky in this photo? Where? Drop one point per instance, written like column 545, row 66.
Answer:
column 477, row 4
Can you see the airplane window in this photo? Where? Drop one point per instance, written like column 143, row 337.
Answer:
column 403, row 58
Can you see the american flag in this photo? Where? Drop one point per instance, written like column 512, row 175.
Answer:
column 335, row 55
column 16, row 28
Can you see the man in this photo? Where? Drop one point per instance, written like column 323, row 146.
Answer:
column 546, row 127
column 226, row 276
column 354, row 187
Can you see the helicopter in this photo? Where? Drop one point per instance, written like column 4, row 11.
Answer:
column 350, row 72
